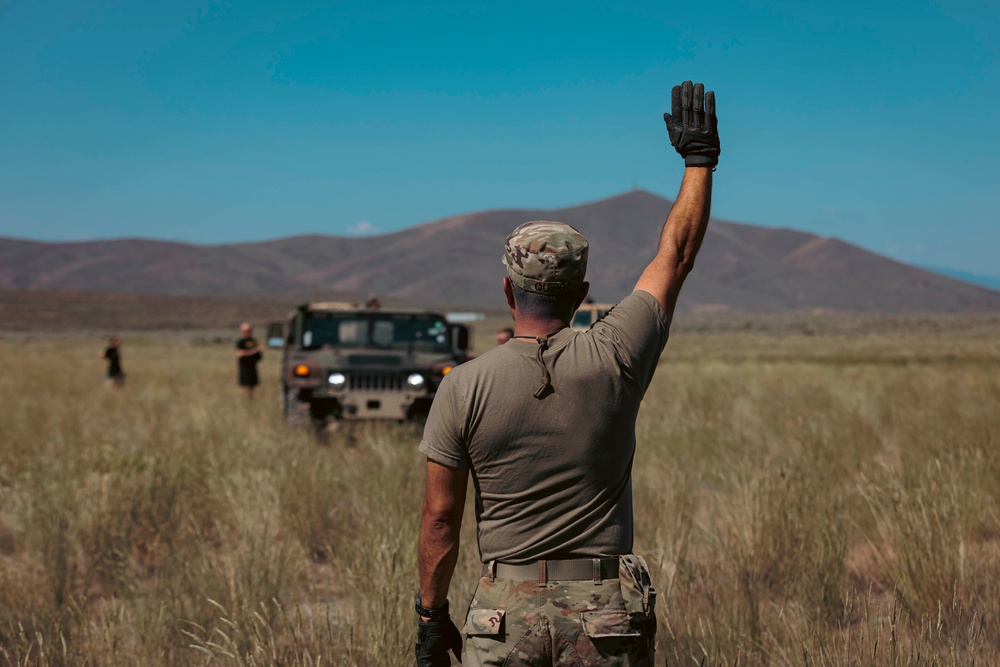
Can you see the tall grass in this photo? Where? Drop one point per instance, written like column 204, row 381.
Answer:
column 803, row 500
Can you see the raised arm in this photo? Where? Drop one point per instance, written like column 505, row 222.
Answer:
column 694, row 133
column 680, row 239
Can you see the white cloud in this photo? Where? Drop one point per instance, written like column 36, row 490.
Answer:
column 363, row 228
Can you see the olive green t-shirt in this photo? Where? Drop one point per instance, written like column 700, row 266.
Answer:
column 553, row 476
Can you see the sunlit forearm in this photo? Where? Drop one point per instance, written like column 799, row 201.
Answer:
column 438, row 554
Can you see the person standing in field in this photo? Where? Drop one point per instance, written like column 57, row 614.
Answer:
column 248, row 354
column 113, row 354
column 504, row 335
column 546, row 426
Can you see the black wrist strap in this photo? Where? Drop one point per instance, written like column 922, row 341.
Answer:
column 432, row 613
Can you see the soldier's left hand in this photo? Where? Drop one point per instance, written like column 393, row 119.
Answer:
column 693, row 125
column 434, row 640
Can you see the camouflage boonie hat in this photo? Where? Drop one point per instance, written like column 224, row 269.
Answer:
column 546, row 257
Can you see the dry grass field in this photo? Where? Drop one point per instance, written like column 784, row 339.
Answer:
column 814, row 498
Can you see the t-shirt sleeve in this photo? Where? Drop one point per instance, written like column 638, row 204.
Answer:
column 444, row 439
column 637, row 329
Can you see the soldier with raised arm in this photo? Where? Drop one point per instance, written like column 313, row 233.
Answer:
column 546, row 426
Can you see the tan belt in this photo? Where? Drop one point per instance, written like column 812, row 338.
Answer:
column 544, row 571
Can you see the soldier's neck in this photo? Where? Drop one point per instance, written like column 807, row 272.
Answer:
column 529, row 327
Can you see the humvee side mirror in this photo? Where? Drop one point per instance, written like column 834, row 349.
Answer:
column 460, row 337
column 275, row 334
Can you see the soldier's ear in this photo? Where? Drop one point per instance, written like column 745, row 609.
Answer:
column 508, row 292
column 582, row 295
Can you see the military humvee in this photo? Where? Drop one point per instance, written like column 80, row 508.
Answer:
column 344, row 362
column 589, row 314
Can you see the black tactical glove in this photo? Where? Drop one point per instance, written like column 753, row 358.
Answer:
column 435, row 639
column 693, row 126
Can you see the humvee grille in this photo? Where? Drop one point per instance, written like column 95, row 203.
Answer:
column 375, row 381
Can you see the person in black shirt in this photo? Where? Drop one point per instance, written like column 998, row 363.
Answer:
column 116, row 376
column 248, row 353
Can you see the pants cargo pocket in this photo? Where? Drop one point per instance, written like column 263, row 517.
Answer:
column 484, row 623
column 616, row 639
column 608, row 624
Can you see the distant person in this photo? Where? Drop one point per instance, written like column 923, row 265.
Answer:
column 113, row 353
column 504, row 335
column 248, row 353
column 373, row 303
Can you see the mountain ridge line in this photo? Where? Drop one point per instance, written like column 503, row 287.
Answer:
column 741, row 268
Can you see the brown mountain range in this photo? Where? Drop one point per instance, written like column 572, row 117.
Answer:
column 742, row 268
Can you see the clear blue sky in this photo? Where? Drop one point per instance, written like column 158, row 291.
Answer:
column 212, row 122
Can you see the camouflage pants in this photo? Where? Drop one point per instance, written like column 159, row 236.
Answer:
column 565, row 623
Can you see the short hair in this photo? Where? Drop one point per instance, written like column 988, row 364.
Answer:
column 545, row 306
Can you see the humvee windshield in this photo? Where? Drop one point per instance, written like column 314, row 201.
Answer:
column 587, row 316
column 582, row 319
column 380, row 331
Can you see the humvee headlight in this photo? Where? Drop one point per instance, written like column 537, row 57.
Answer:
column 337, row 380
column 301, row 371
column 416, row 380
